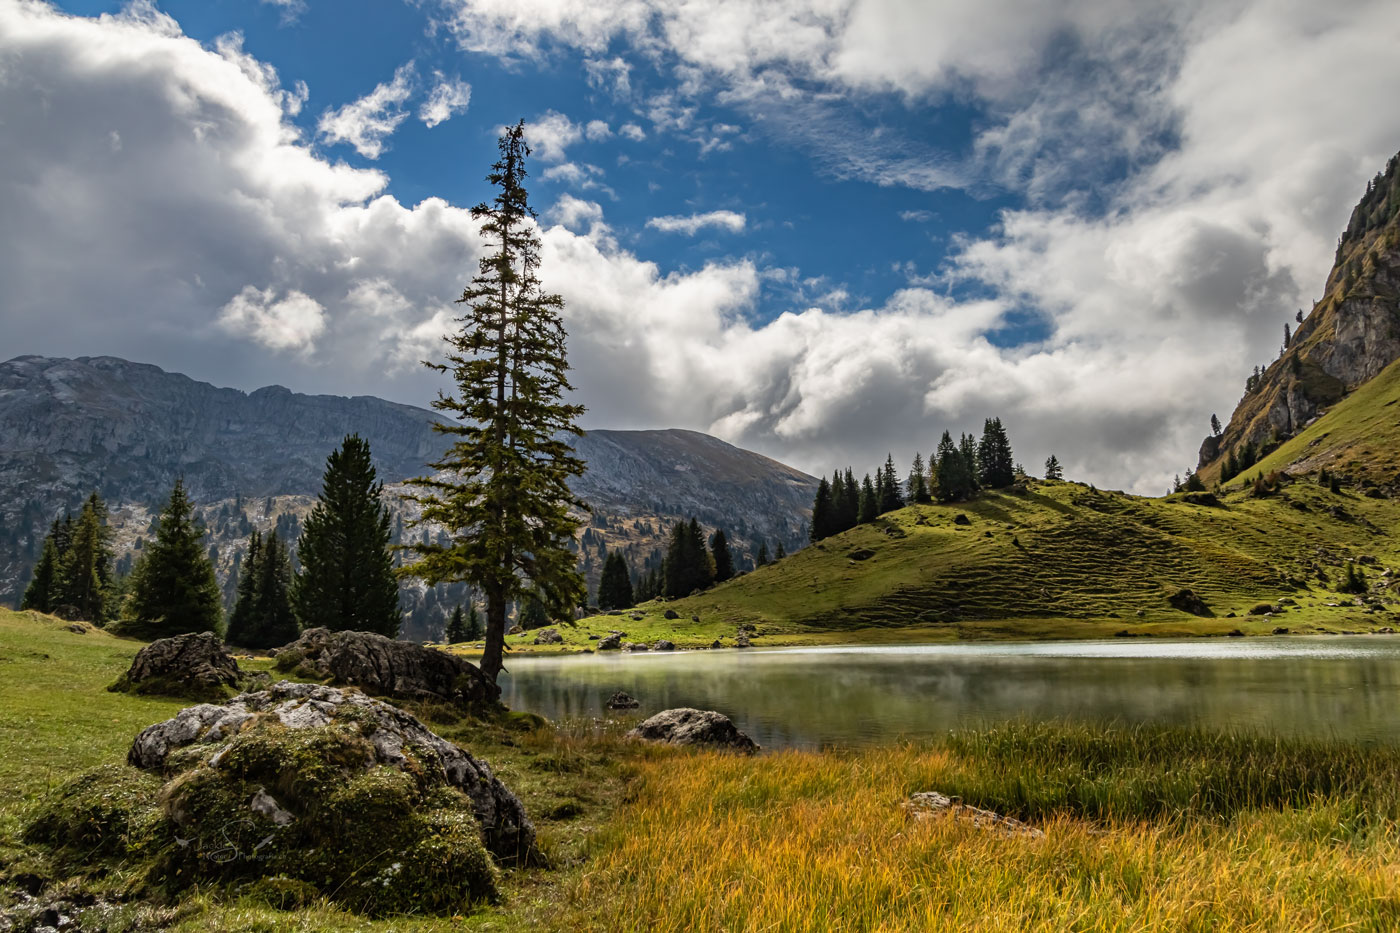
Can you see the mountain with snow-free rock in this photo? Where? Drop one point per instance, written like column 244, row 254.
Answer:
column 127, row 430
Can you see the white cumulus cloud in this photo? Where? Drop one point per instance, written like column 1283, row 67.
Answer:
column 367, row 123
column 449, row 97
column 692, row 224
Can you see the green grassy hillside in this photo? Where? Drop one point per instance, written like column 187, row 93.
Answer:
column 1359, row 438
column 1061, row 559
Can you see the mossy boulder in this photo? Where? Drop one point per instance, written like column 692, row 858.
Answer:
column 195, row 666
column 386, row 667
column 294, row 793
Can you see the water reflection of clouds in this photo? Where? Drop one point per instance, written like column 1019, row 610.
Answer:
column 842, row 696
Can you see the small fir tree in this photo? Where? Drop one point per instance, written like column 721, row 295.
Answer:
column 42, row 583
column 173, row 589
column 532, row 613
column 869, row 501
column 456, row 631
column 780, row 553
column 891, row 493
column 1053, row 470
column 762, row 559
column 821, row 514
column 967, row 447
column 474, row 626
column 995, row 463
column 347, row 578
column 1215, row 428
column 615, row 586
column 918, row 481
column 719, row 553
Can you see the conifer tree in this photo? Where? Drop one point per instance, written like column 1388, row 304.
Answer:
column 780, row 553
column 474, row 627
column 615, row 586
column 456, row 631
column 850, row 500
column 532, row 613
column 347, row 578
column 1193, row 483
column 761, row 559
column 41, row 583
column 1215, row 428
column 687, row 563
column 719, row 554
column 84, row 577
column 891, row 495
column 869, row 501
column 879, row 492
column 173, row 589
column 918, row 481
column 967, row 447
column 954, row 478
column 240, row 622
column 1053, row 469
column 507, row 510
column 821, row 514
column 996, row 465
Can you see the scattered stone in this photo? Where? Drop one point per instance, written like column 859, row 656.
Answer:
column 1262, row 609
column 80, row 628
column 622, row 700
column 1141, row 613
column 1234, row 633
column 548, row 636
column 515, row 630
column 695, row 619
column 194, row 665
column 614, row 612
column 638, row 616
column 1280, row 630
column 635, row 646
column 592, row 637
column 671, row 614
column 664, row 645
column 685, row 726
column 386, row 667
column 610, row 642
column 861, row 554
column 742, row 641
column 748, row 627
column 930, row 804
column 961, row 519
column 1184, row 600
column 716, row 644
column 1230, row 615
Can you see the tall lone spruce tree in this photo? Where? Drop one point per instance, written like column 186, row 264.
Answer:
column 347, row 578
column 505, row 501
column 173, row 589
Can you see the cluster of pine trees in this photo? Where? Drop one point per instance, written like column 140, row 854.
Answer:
column 689, row 564
column 346, row 579
column 956, row 473
column 74, row 575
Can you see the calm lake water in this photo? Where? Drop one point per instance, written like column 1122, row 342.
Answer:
column 1343, row 686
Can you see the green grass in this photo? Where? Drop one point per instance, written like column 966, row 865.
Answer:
column 1146, row 828
column 1054, row 560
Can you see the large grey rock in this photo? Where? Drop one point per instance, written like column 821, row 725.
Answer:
column 386, row 667
column 685, row 726
column 548, row 636
column 506, row 830
column 664, row 644
column 195, row 665
column 611, row 642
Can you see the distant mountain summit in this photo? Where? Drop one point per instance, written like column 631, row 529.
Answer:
column 69, row 426
column 1350, row 336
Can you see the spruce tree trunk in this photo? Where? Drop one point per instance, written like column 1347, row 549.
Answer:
column 492, row 657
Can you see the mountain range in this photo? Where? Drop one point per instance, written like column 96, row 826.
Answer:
column 127, row 430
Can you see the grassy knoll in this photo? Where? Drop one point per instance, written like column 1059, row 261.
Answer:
column 1053, row 560
column 1147, row 828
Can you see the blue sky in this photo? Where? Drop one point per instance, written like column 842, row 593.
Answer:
column 823, row 230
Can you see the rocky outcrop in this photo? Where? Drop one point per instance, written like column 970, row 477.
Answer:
column 1185, row 600
column 611, row 642
column 195, row 665
column 930, row 804
column 214, row 736
column 1351, row 335
column 664, row 645
column 548, row 636
column 686, row 726
column 386, row 667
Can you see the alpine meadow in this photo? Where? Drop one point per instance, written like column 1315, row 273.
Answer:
column 864, row 466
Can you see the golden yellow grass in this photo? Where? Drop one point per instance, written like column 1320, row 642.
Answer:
column 801, row 841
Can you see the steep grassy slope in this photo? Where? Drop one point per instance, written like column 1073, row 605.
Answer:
column 1359, row 439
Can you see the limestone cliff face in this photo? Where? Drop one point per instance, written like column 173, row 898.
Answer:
column 1351, row 335
column 69, row 426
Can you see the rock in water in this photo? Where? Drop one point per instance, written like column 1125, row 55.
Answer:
column 294, row 750
column 387, row 667
column 549, row 636
column 195, row 665
column 622, row 700
column 686, row 726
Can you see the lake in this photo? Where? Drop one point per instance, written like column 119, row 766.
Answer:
column 1342, row 686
